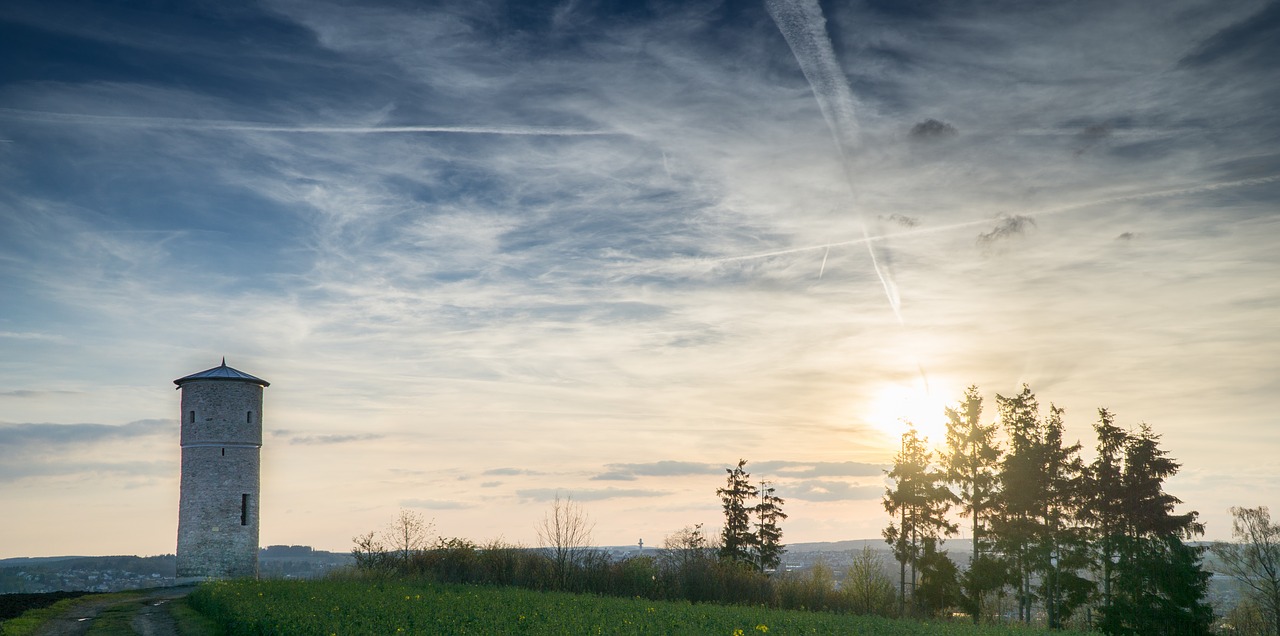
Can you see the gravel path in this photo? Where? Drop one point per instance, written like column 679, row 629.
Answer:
column 150, row 617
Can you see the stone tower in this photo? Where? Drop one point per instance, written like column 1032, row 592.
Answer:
column 221, row 444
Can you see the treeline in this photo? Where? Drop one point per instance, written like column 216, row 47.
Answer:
column 690, row 567
column 1095, row 544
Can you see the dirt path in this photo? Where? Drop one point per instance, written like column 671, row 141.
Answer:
column 145, row 613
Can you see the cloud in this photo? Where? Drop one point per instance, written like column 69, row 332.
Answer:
column 1252, row 41
column 827, row 490
column 25, row 393
column 11, row 470
column 548, row 494
column 236, row 126
column 511, row 471
column 33, row 335
column 932, row 130
column 436, row 504
column 1008, row 227
column 21, row 435
column 662, row 468
column 791, row 469
column 901, row 219
column 615, row 476
column 316, row 440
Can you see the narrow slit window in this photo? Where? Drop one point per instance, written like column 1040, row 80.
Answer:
column 192, row 416
column 224, row 452
column 244, row 510
column 248, row 417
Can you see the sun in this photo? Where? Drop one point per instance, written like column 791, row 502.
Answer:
column 896, row 404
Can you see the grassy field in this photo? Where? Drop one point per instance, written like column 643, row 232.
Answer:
column 356, row 607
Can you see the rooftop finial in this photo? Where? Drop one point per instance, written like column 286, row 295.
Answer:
column 224, row 361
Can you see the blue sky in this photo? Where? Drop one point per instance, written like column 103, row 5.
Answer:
column 489, row 252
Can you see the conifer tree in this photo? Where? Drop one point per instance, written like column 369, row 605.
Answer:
column 738, row 497
column 768, row 538
column 1159, row 586
column 1014, row 526
column 971, row 460
column 1103, row 512
column 920, row 498
column 1035, row 529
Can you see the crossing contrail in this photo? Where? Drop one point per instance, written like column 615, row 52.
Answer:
column 805, row 30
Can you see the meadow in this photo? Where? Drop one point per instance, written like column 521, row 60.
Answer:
column 353, row 607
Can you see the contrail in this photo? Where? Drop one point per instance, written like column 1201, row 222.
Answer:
column 824, row 263
column 168, row 123
column 1072, row 207
column 804, row 28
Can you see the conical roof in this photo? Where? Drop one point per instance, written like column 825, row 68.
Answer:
column 222, row 372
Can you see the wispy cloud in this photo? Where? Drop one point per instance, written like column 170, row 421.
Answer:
column 214, row 125
column 828, row 490
column 587, row 494
column 22, row 435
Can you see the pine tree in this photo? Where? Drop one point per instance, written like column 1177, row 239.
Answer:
column 1014, row 526
column 971, row 461
column 1062, row 546
column 1104, row 511
column 737, row 541
column 768, row 537
column 1035, row 529
column 921, row 499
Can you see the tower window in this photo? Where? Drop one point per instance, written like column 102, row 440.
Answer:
column 192, row 417
column 224, row 452
column 244, row 510
column 248, row 417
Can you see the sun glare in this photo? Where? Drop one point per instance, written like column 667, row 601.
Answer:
column 897, row 404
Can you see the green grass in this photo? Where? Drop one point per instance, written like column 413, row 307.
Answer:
column 379, row 608
column 31, row 619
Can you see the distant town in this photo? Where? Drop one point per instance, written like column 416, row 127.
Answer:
column 119, row 573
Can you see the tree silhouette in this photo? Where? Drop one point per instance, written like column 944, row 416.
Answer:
column 920, row 498
column 971, row 460
column 737, row 497
column 768, row 537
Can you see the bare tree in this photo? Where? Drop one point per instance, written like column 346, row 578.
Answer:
column 408, row 534
column 1254, row 560
column 368, row 551
column 566, row 531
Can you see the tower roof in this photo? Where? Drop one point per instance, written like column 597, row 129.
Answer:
column 222, row 372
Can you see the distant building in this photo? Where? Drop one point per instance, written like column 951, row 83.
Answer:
column 221, row 467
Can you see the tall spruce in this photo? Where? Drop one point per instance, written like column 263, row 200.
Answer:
column 1035, row 529
column 768, row 537
column 920, row 499
column 737, row 541
column 1103, row 512
column 971, row 460
column 1062, row 545
column 1014, row 526
column 1159, row 586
